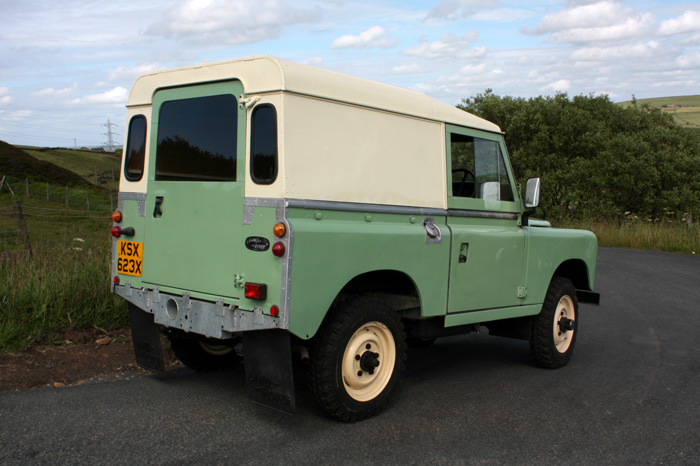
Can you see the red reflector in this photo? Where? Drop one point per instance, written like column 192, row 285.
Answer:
column 257, row 291
column 116, row 232
column 116, row 280
column 274, row 311
column 278, row 249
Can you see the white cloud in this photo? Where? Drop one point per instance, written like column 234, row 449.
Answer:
column 372, row 37
column 449, row 46
column 231, row 22
column 5, row 96
column 689, row 21
column 313, row 61
column 598, row 14
column 459, row 9
column 645, row 50
column 407, row 69
column 600, row 21
column 471, row 70
column 629, row 29
column 563, row 85
column 117, row 95
column 123, row 73
column 689, row 60
column 56, row 93
column 503, row 15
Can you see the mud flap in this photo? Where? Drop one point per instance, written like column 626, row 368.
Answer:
column 267, row 355
column 146, row 339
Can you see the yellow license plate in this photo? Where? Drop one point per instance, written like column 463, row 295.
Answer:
column 129, row 257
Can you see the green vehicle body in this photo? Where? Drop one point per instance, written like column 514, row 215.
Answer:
column 454, row 262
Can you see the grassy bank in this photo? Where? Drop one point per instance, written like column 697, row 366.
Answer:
column 54, row 290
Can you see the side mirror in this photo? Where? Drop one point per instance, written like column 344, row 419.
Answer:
column 532, row 193
column 491, row 191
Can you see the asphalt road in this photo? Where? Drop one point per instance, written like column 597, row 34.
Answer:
column 630, row 395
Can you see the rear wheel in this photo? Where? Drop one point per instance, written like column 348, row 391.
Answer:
column 357, row 360
column 203, row 355
column 554, row 329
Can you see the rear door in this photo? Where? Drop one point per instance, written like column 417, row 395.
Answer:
column 194, row 205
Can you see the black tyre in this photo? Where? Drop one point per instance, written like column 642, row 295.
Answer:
column 203, row 355
column 554, row 329
column 357, row 359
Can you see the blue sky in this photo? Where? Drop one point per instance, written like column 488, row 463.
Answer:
column 66, row 67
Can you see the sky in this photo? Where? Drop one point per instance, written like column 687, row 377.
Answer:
column 66, row 66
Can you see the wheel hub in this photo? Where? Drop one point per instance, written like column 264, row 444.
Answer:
column 566, row 324
column 369, row 361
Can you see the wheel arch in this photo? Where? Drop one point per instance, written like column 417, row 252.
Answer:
column 396, row 289
column 575, row 270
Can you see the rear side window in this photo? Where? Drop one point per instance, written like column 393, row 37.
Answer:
column 135, row 149
column 263, row 155
column 197, row 139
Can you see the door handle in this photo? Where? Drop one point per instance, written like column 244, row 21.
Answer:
column 157, row 212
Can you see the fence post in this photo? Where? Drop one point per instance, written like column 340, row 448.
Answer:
column 111, row 202
column 66, row 197
column 87, row 196
column 47, row 192
column 22, row 225
column 26, row 182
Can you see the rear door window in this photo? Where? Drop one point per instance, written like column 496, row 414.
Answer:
column 197, row 139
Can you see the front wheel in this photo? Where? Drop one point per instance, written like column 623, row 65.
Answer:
column 554, row 329
column 357, row 360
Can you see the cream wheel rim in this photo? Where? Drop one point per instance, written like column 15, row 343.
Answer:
column 368, row 361
column 565, row 310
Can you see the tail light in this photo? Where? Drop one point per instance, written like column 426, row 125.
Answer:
column 116, row 232
column 257, row 291
column 117, row 216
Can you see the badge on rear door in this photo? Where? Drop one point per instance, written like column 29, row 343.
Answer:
column 257, row 243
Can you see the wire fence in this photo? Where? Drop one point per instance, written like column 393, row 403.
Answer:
column 70, row 198
column 25, row 227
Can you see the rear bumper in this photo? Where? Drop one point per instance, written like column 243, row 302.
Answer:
column 211, row 319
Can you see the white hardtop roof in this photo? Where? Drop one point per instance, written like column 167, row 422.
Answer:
column 260, row 74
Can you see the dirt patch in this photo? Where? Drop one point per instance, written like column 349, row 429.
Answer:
column 85, row 356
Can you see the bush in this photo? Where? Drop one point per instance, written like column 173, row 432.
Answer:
column 598, row 160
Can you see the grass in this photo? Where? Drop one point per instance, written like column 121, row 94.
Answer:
column 64, row 283
column 54, row 290
column 658, row 236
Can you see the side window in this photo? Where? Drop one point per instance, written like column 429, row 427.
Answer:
column 478, row 169
column 197, row 139
column 263, row 150
column 135, row 148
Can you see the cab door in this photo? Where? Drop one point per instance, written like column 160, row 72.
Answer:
column 195, row 196
column 488, row 244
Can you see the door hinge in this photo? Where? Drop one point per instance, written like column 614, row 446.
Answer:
column 522, row 292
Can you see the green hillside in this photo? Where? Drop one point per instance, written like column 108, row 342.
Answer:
column 98, row 168
column 685, row 109
column 15, row 163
